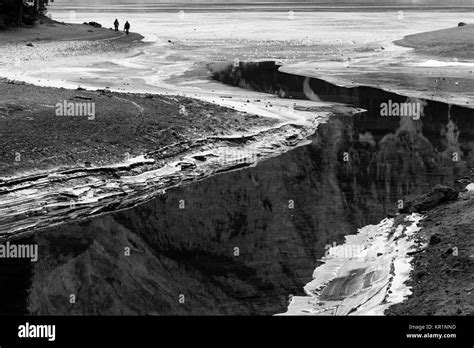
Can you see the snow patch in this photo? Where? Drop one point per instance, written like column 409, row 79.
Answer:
column 439, row 64
column 366, row 282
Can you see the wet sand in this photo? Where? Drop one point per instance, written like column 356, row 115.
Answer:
column 436, row 65
column 47, row 30
column 124, row 125
column 57, row 169
column 384, row 75
column 446, row 43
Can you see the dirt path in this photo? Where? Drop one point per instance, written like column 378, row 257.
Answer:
column 48, row 30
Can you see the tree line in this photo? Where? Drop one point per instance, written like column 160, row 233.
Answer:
column 19, row 12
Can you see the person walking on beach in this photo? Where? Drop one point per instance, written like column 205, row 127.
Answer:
column 127, row 27
column 116, row 24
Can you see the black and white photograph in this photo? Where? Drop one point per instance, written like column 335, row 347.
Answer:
column 240, row 163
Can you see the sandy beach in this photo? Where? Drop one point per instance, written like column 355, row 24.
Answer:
column 48, row 30
column 150, row 141
column 163, row 118
column 130, row 124
column 447, row 43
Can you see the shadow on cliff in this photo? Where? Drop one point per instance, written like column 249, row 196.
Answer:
column 240, row 243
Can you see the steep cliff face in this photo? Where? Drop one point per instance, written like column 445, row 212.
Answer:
column 241, row 242
column 15, row 280
column 443, row 132
column 192, row 251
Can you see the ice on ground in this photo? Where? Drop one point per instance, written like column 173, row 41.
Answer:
column 438, row 64
column 363, row 276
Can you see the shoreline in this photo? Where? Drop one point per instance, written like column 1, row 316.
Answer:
column 419, row 65
column 48, row 30
column 283, row 7
column 124, row 123
column 164, row 136
column 219, row 127
column 446, row 43
column 30, row 47
column 79, row 168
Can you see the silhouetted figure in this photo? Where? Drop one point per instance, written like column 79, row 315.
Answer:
column 116, row 25
column 127, row 27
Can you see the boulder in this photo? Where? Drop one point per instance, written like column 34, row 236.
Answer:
column 438, row 195
column 435, row 239
column 95, row 24
column 461, row 24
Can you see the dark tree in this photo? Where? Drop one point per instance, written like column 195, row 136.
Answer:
column 16, row 12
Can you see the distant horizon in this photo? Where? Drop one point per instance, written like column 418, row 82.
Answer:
column 259, row 5
column 328, row 3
